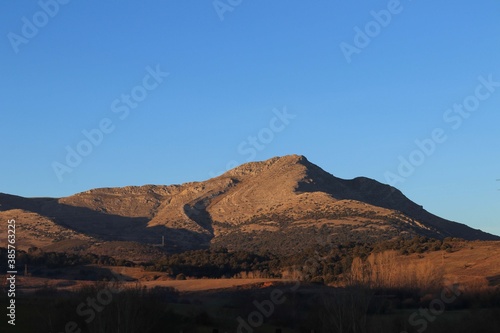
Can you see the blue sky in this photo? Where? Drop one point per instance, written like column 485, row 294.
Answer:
column 69, row 68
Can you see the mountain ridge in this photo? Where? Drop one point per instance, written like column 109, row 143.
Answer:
column 246, row 207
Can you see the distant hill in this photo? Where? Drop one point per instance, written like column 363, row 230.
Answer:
column 284, row 204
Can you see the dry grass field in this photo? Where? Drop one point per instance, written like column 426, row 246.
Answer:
column 474, row 262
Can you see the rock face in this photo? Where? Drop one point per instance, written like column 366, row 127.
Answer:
column 283, row 204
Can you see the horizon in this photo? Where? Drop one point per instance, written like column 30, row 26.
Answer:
column 401, row 92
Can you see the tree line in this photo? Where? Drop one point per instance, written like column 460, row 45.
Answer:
column 323, row 264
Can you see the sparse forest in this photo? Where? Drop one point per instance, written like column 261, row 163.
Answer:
column 324, row 264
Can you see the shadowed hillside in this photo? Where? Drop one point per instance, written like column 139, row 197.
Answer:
column 282, row 204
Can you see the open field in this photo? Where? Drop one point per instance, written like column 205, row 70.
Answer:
column 475, row 262
column 31, row 284
column 211, row 284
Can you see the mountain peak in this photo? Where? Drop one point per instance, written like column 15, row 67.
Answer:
column 251, row 205
column 280, row 179
column 292, row 159
column 280, row 163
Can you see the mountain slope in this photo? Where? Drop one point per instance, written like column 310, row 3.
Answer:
column 282, row 204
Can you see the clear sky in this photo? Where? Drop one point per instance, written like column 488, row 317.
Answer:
column 349, row 84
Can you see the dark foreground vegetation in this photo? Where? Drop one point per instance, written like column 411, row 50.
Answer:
column 293, row 307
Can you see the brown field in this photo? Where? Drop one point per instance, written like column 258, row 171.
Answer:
column 134, row 276
column 474, row 262
column 211, row 284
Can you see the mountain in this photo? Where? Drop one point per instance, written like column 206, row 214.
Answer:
column 284, row 204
